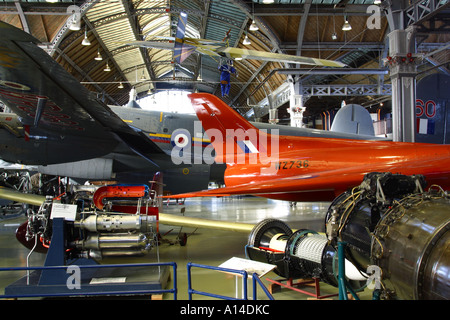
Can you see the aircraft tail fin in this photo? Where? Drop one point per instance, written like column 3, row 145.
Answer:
column 353, row 119
column 182, row 51
column 235, row 140
column 181, row 27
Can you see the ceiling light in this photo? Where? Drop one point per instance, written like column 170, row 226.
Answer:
column 120, row 85
column 99, row 56
column 75, row 24
column 377, row 2
column 253, row 26
column 85, row 41
column 143, row 76
column 246, row 41
column 346, row 26
column 107, row 68
column 268, row 1
column 334, row 36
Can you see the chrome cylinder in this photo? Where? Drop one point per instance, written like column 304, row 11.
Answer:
column 100, row 254
column 113, row 241
column 114, row 222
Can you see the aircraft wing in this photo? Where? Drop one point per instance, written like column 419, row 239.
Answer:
column 336, row 181
column 185, row 46
column 164, row 218
column 271, row 56
column 206, row 42
column 14, row 195
column 216, row 49
column 153, row 44
column 45, row 96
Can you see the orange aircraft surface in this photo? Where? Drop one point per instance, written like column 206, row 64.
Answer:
column 303, row 168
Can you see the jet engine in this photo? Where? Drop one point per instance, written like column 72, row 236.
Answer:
column 93, row 233
column 387, row 222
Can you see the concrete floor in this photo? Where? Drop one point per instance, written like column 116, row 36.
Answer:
column 204, row 246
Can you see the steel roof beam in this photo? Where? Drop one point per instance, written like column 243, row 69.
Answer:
column 85, row 75
column 334, row 45
column 298, row 9
column 202, row 35
column 129, row 10
column 346, row 71
column 264, row 29
column 302, row 25
column 23, row 19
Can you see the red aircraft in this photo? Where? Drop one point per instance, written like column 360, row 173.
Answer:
column 303, row 168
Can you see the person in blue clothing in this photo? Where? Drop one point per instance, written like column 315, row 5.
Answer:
column 225, row 76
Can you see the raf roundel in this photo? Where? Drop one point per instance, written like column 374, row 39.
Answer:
column 181, row 138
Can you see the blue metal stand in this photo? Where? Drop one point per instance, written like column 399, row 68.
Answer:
column 56, row 257
column 54, row 279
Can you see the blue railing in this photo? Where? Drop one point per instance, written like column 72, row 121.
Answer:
column 82, row 292
column 242, row 273
column 257, row 280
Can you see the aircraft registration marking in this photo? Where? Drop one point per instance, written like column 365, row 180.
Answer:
column 292, row 164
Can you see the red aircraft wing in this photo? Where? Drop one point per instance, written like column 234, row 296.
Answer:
column 325, row 185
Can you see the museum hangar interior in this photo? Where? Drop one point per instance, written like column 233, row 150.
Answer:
column 117, row 179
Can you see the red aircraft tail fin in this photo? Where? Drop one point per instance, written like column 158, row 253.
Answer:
column 235, row 140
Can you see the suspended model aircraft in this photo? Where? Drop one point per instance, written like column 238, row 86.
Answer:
column 58, row 125
column 183, row 47
column 303, row 168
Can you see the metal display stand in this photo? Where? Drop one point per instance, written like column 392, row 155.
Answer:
column 58, row 277
column 292, row 285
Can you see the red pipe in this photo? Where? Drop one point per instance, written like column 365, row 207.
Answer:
column 118, row 192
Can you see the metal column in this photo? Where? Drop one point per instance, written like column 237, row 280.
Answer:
column 402, row 65
column 296, row 107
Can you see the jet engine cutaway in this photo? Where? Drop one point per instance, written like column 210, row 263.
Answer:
column 388, row 222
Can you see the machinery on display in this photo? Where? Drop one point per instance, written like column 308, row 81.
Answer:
column 95, row 232
column 392, row 232
column 81, row 227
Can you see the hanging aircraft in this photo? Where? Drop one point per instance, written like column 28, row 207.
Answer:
column 304, row 168
column 61, row 127
column 183, row 47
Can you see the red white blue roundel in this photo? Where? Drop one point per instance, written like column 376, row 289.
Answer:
column 180, row 138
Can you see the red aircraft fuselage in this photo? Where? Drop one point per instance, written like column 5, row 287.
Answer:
column 302, row 168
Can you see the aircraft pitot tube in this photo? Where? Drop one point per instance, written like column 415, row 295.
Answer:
column 396, row 239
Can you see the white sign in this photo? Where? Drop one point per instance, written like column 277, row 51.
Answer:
column 108, row 280
column 66, row 211
column 249, row 266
